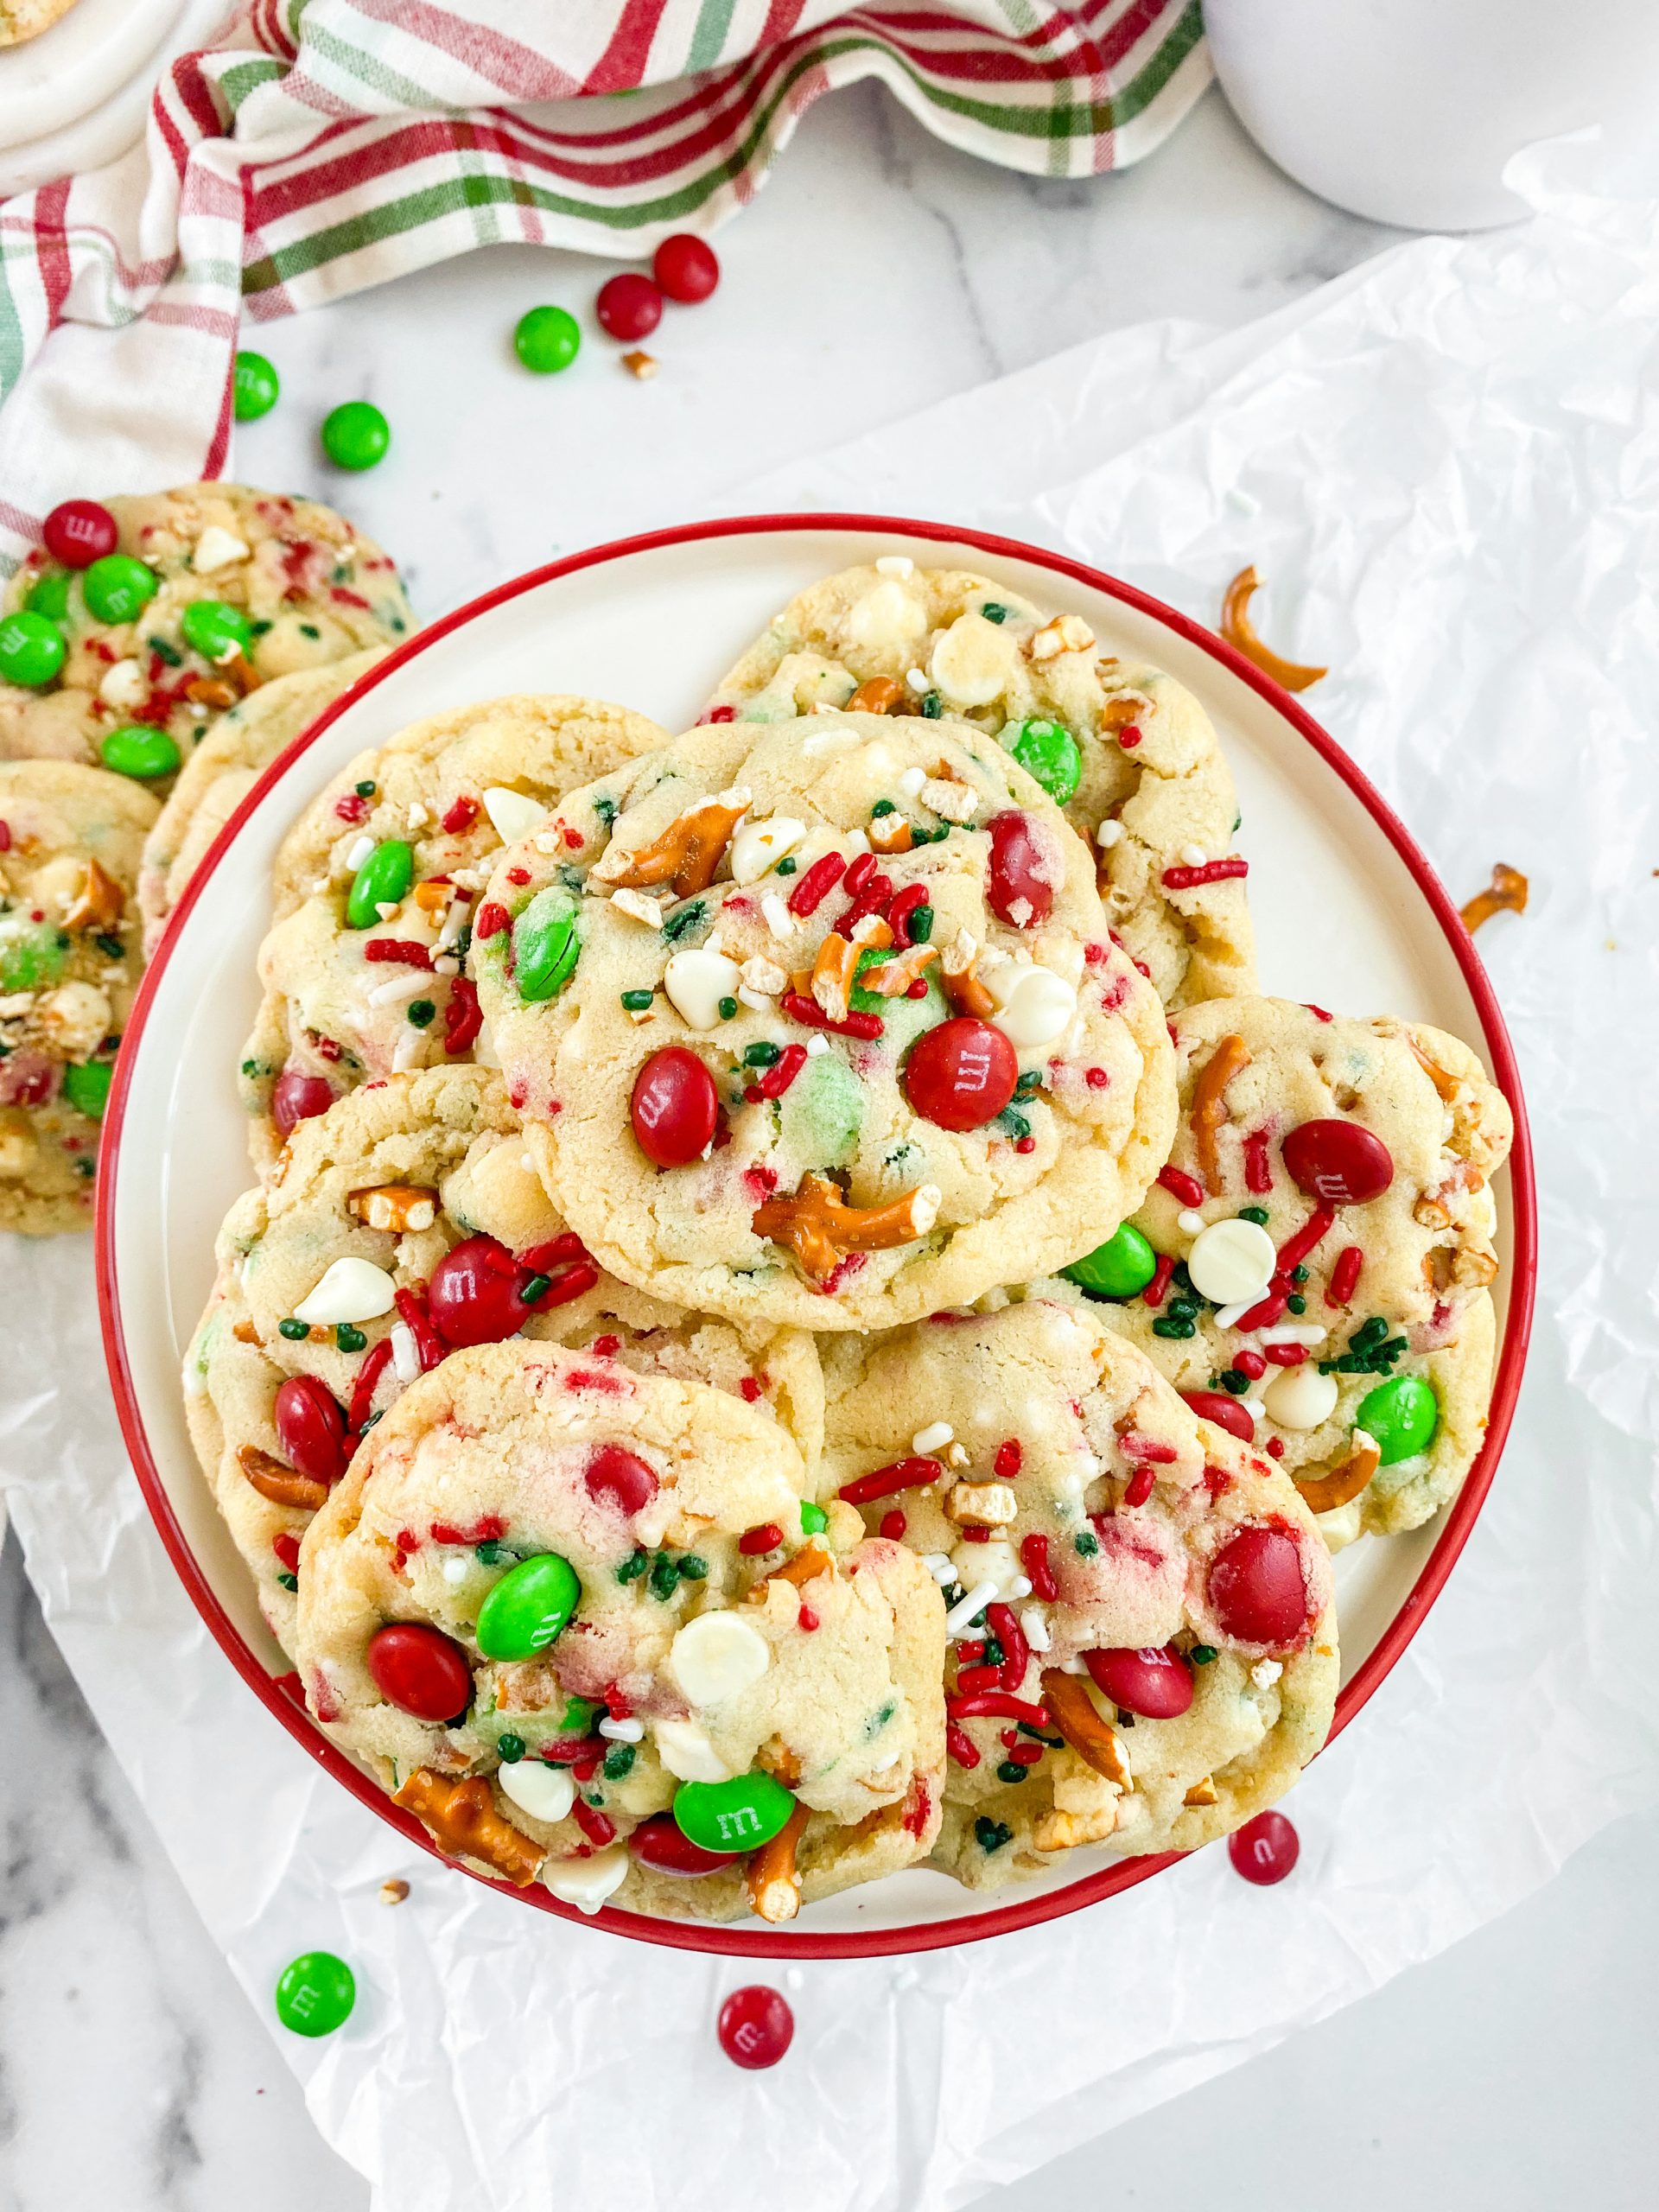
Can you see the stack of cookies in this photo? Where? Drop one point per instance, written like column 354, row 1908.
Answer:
column 800, row 1317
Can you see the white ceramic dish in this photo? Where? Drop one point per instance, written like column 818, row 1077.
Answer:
column 654, row 623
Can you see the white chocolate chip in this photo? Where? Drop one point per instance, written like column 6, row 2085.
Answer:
column 1300, row 1397
column 716, row 1657
column 1033, row 1005
column 758, row 846
column 350, row 1290
column 697, row 981
column 684, row 1749
column 217, row 548
column 586, row 1883
column 359, row 851
column 513, row 815
column 124, row 687
column 1231, row 1261
column 886, row 616
column 973, row 661
column 546, row 1793
column 895, row 564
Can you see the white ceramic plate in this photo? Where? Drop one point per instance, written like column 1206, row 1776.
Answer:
column 654, row 623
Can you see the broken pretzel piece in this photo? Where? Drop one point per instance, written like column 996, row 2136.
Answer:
column 1237, row 628
column 1507, row 894
column 686, row 855
column 461, row 1817
column 1325, row 1493
column 279, row 1483
column 771, row 1878
column 1072, row 1711
column 891, row 979
column 1230, row 1058
column 100, row 904
column 818, row 1226
column 962, row 988
column 395, row 1206
column 880, row 695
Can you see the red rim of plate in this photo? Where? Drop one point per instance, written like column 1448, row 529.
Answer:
column 1023, row 1912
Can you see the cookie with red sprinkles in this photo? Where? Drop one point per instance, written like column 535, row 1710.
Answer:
column 1315, row 1261
column 585, row 1623
column 1142, row 1641
column 1128, row 751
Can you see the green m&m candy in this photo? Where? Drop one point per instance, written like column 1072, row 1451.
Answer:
column 119, row 588
column 1120, row 1268
column 32, row 649
column 382, row 880
column 736, row 1816
column 528, row 1607
column 356, row 435
column 546, row 945
column 133, row 750
column 1402, row 1415
column 215, row 629
column 49, row 595
column 547, row 338
column 87, row 1088
column 254, row 387
column 1047, row 751
column 31, row 954
column 315, row 1993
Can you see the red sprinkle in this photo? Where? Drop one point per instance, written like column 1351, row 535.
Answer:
column 462, row 816
column 766, row 1538
column 1251, row 1364
column 518, row 875
column 542, row 1259
column 1094, row 954
column 996, row 1705
column 1009, row 1459
column 806, row 1620
column 463, row 1017
column 820, row 879
column 427, row 1343
column 287, row 1549
column 1187, row 1188
column 867, row 1026
column 593, row 1824
column 778, row 1078
column 1345, row 1276
column 1128, row 737
column 1096, row 1078
column 859, row 870
column 1275, row 1448
column 974, row 1534
column 749, row 1390
column 606, row 1348
column 716, row 715
column 904, row 905
column 1296, row 1248
column 884, row 1482
column 1033, row 1557
column 1188, row 879
column 1025, row 1144
column 971, row 1680
column 1134, row 1445
column 961, row 1745
column 1024, row 1754
column 374, row 1365
column 1158, row 1289
column 1258, row 1174
column 352, row 807
column 492, row 918
column 401, row 952
column 1264, row 1313
column 1138, row 1490
column 1318, row 1011
column 1016, row 1652
column 1284, row 1355
column 893, row 1525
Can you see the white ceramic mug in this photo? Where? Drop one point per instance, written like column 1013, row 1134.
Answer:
column 1406, row 111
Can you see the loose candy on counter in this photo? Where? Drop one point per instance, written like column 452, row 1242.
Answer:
column 1402, row 1416
column 629, row 306
column 315, row 1993
column 356, row 435
column 1265, row 1849
column 547, row 338
column 1120, row 1268
column 255, row 387
column 756, row 2027
column 137, row 750
column 686, row 268
column 32, row 649
column 420, row 1670
column 528, row 1607
column 79, row 532
column 735, row 1816
column 119, row 587
column 1338, row 1162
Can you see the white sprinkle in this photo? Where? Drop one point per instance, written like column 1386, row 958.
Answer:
column 1228, row 1317
column 623, row 1732
column 1266, row 1673
column 1193, row 855
column 895, row 564
column 405, row 1353
column 1189, row 1220
column 387, row 908
column 454, row 1571
column 917, row 678
column 409, row 985
column 1108, row 835
column 911, row 781
column 1036, row 1628
column 757, row 1002
column 454, row 920
column 1019, row 1587
column 1254, row 1408
column 446, row 964
column 931, row 1437
column 940, row 1565
column 815, row 1045
column 957, row 1620
column 778, row 919
column 410, row 1052
column 360, row 850
column 1293, row 1332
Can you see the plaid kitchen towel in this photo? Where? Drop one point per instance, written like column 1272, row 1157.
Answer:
column 317, row 147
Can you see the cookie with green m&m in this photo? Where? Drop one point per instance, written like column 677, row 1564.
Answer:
column 407, row 1222
column 1127, row 751
column 1143, row 1648
column 1316, row 1252
column 822, row 1023
column 205, row 593
column 376, row 885
column 583, row 1620
column 70, row 841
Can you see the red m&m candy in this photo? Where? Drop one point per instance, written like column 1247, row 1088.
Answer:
column 473, row 1296
column 962, row 1074
column 296, row 1097
column 756, row 2027
column 612, row 1472
column 420, row 1670
column 674, row 1107
column 1338, row 1162
column 1265, row 1849
column 1226, row 1412
column 1257, row 1589
column 658, row 1844
column 311, row 1428
column 79, row 532
column 1025, row 868
column 1158, row 1685
column 686, row 268
column 629, row 306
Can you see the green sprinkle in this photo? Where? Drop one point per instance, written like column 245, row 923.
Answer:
column 664, row 1577
column 991, row 1835
column 163, row 652
column 993, row 611
column 676, row 924
column 1085, row 1543
column 1233, row 1381
column 289, row 1581
column 536, row 1287
column 1031, row 1081
column 632, row 1569
column 1298, row 1275
column 920, row 925
column 762, row 1056
column 1008, row 1771
column 488, row 1552
column 309, row 629
column 994, row 1654
column 369, row 1424
column 814, row 1519
column 1203, row 1655
column 693, row 1568
column 932, row 707
column 293, row 1330
column 882, row 806
column 1183, row 1309
column 1257, row 1214
column 510, row 1749
column 1015, row 1124
column 347, row 1338
column 619, row 1763
column 728, row 1009
column 1163, row 1326
column 604, row 808
column 111, row 947
column 638, row 1001
column 1296, row 1302
column 422, row 1013
column 250, row 1067
column 365, row 790
column 786, row 866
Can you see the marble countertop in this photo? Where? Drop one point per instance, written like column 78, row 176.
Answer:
column 878, row 272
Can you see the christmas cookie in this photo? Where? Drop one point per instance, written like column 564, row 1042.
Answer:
column 26, row 19
column 1312, row 1267
column 70, row 838
column 1143, row 1652
column 403, row 1223
column 375, row 889
column 1127, row 751
column 140, row 619
column 822, row 1023
column 581, row 1623
column 222, row 770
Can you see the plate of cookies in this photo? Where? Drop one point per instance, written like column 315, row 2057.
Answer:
column 814, row 1237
